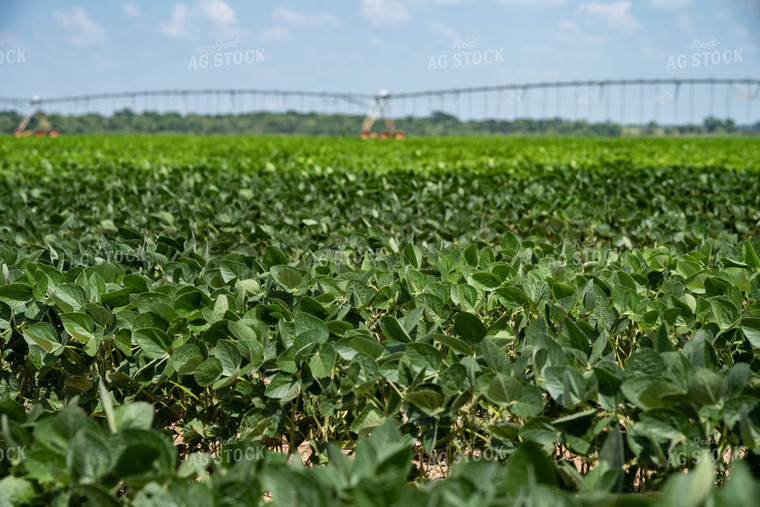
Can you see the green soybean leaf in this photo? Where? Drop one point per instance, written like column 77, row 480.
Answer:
column 43, row 335
column 79, row 325
column 469, row 327
column 393, row 330
column 69, row 297
column 309, row 329
column 208, row 372
column 283, row 387
column 529, row 465
column 15, row 294
column 503, row 389
column 289, row 277
column 153, row 341
column 321, row 364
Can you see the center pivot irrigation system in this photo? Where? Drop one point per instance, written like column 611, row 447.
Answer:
column 638, row 100
column 390, row 131
column 44, row 130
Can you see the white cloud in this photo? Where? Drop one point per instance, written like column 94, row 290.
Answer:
column 217, row 12
column 615, row 14
column 9, row 39
column 534, row 3
column 277, row 33
column 439, row 28
column 376, row 42
column 223, row 16
column 384, row 12
column 683, row 21
column 293, row 18
column 130, row 10
column 569, row 31
column 668, row 5
column 177, row 28
column 740, row 32
column 84, row 31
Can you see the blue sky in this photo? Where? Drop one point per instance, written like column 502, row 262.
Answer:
column 77, row 47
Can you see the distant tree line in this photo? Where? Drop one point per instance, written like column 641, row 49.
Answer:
column 315, row 124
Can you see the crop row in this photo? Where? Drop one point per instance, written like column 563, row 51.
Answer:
column 483, row 348
column 240, row 196
column 241, row 321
